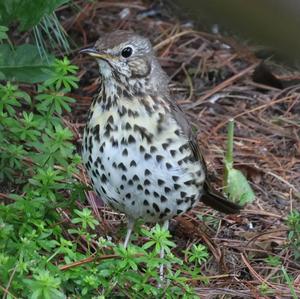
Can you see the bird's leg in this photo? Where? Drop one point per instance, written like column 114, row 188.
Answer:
column 129, row 231
column 162, row 253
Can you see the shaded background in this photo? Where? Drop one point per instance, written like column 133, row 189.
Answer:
column 272, row 23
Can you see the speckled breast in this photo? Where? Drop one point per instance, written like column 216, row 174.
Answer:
column 139, row 161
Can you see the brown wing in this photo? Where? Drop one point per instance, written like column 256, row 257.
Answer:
column 210, row 196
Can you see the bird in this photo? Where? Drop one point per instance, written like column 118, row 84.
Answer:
column 139, row 150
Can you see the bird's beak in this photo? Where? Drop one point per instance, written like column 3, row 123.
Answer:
column 95, row 53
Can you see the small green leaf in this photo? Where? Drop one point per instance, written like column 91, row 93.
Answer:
column 24, row 64
column 238, row 187
column 28, row 13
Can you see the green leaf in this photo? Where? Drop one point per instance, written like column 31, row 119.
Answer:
column 27, row 12
column 24, row 64
column 238, row 187
column 3, row 34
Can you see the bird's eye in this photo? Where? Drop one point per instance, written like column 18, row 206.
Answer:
column 126, row 52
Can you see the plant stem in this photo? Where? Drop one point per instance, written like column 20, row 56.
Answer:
column 229, row 149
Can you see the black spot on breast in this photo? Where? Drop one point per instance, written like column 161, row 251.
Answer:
column 147, row 156
column 135, row 178
column 125, row 93
column 142, row 149
column 147, row 192
column 90, row 144
column 159, row 158
column 103, row 190
column 155, row 194
column 168, row 165
column 114, row 142
column 147, row 182
column 124, row 178
column 146, row 203
column 162, row 215
column 122, row 166
column 130, row 182
column 165, row 145
column 88, row 165
column 160, row 182
column 131, row 139
column 163, row 198
column 125, row 152
column 176, row 186
column 153, row 149
column 155, row 207
column 179, row 201
column 132, row 163
column 183, row 147
column 96, row 132
column 110, row 119
column 108, row 129
column 98, row 162
column 101, row 149
column 128, row 195
column 167, row 189
column 128, row 126
column 133, row 114
column 124, row 141
column 147, row 172
column 189, row 183
column 173, row 153
column 179, row 212
column 182, row 194
column 122, row 111
column 140, row 187
column 103, row 178
column 175, row 178
column 145, row 134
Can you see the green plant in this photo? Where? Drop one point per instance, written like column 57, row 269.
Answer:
column 265, row 290
column 289, row 281
column 37, row 167
column 236, row 184
column 273, row 261
column 29, row 62
column 293, row 222
column 198, row 254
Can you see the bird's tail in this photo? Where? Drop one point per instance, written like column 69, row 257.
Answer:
column 218, row 202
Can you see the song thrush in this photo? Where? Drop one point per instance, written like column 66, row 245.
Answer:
column 138, row 147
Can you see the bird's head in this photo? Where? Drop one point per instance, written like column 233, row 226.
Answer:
column 123, row 53
column 126, row 56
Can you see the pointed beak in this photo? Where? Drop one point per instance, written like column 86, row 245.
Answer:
column 95, row 53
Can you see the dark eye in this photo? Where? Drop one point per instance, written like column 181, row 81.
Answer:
column 126, row 52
